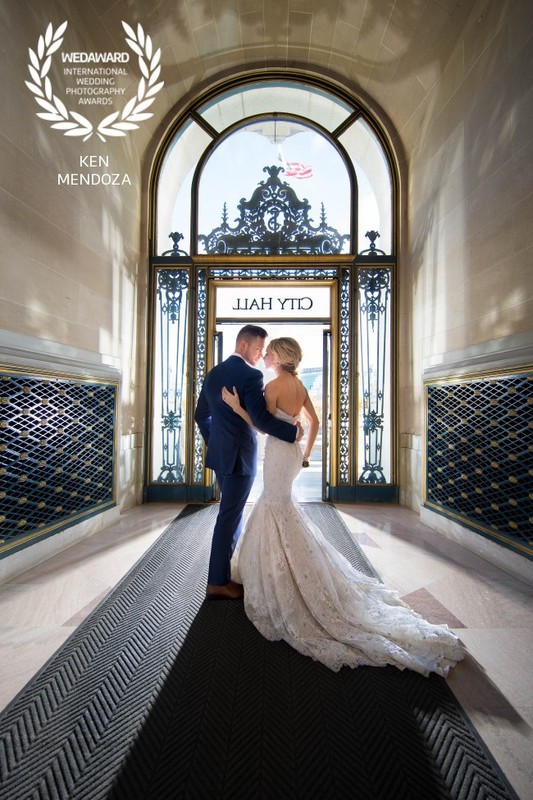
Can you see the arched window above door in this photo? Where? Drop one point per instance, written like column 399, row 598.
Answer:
column 299, row 193
column 327, row 149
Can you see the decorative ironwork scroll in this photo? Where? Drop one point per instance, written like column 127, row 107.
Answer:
column 344, row 378
column 277, row 274
column 176, row 237
column 374, row 312
column 170, row 381
column 273, row 222
column 201, row 367
column 372, row 250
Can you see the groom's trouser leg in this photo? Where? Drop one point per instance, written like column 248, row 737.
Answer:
column 234, row 494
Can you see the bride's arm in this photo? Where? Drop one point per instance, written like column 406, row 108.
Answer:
column 233, row 400
column 314, row 424
column 271, row 396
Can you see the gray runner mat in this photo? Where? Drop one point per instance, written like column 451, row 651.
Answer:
column 161, row 694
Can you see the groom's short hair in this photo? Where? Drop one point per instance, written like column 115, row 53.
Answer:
column 251, row 332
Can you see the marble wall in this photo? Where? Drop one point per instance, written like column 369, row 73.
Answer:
column 466, row 279
column 73, row 263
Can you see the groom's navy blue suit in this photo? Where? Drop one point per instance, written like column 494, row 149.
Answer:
column 232, row 450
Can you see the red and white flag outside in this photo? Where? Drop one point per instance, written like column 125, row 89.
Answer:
column 295, row 169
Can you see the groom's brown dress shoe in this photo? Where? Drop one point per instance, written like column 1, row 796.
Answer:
column 231, row 591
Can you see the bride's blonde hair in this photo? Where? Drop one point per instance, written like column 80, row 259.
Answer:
column 288, row 352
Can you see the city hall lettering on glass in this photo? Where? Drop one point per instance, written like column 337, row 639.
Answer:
column 273, row 304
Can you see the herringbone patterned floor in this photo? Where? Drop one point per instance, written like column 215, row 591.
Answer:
column 160, row 694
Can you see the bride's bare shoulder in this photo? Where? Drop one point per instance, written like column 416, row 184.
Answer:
column 272, row 388
column 273, row 384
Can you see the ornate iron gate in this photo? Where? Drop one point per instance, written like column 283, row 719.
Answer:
column 274, row 239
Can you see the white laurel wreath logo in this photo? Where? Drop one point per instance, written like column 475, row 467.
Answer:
column 74, row 124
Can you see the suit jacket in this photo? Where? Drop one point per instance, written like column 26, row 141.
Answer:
column 231, row 442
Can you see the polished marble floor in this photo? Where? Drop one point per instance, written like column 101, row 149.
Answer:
column 491, row 611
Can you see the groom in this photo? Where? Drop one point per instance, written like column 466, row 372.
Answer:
column 232, row 447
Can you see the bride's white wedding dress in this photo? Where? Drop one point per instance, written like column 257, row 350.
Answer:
column 297, row 587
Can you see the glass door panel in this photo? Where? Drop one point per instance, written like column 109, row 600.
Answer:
column 169, row 377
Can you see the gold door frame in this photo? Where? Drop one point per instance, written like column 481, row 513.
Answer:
column 331, row 322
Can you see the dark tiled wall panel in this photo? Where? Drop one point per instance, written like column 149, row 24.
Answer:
column 479, row 455
column 57, row 454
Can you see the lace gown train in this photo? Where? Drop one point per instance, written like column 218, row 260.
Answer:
column 297, row 587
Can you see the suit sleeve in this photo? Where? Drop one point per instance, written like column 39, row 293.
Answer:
column 202, row 415
column 254, row 403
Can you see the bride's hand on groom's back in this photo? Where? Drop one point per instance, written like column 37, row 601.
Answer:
column 232, row 399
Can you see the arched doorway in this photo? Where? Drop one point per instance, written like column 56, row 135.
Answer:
column 266, row 228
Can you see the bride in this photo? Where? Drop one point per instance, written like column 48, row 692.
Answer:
column 297, row 586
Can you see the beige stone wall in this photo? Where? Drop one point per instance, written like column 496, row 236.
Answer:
column 466, row 281
column 73, row 261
